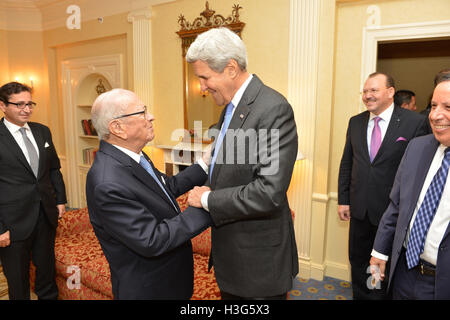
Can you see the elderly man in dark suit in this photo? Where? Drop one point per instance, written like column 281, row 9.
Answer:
column 32, row 196
column 253, row 244
column 375, row 143
column 133, row 209
column 415, row 229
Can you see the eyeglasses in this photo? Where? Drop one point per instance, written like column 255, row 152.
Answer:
column 133, row 114
column 23, row 104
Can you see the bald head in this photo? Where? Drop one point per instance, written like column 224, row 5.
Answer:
column 110, row 105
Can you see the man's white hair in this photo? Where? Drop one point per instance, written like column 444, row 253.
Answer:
column 109, row 105
column 216, row 47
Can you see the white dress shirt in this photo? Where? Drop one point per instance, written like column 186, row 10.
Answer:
column 441, row 219
column 14, row 129
column 385, row 116
column 137, row 157
column 236, row 99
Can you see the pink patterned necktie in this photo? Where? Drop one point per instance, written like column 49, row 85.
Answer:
column 376, row 139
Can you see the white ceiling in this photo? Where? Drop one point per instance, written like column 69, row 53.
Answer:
column 38, row 15
column 27, row 4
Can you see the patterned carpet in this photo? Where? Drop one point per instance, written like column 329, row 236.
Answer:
column 328, row 289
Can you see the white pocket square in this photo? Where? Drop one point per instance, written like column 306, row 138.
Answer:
column 46, row 145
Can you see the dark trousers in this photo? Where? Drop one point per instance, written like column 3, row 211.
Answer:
column 361, row 238
column 229, row 296
column 39, row 246
column 411, row 284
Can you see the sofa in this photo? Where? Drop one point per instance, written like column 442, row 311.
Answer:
column 82, row 271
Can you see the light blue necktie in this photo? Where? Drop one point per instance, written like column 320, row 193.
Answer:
column 146, row 165
column 226, row 123
column 426, row 213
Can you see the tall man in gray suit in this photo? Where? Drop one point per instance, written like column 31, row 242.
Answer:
column 253, row 244
column 415, row 229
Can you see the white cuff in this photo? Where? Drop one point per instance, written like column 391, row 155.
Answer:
column 202, row 164
column 204, row 200
column 378, row 255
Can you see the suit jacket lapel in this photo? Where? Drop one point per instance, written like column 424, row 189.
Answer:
column 12, row 146
column 161, row 193
column 426, row 157
column 137, row 170
column 391, row 133
column 239, row 116
column 363, row 136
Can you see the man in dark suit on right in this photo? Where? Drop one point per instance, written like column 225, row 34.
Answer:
column 415, row 229
column 375, row 143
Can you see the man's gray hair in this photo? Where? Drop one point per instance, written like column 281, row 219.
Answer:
column 216, row 47
column 109, row 105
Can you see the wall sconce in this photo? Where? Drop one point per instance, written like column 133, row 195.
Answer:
column 17, row 79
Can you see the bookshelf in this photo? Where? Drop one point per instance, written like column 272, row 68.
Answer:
column 87, row 141
column 80, row 82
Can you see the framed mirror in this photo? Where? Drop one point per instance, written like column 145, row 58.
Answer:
column 200, row 110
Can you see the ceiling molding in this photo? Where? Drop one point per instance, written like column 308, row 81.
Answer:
column 40, row 15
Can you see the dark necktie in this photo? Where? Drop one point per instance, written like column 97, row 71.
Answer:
column 375, row 141
column 146, row 165
column 226, row 123
column 32, row 153
column 426, row 213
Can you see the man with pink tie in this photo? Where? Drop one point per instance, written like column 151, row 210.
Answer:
column 375, row 143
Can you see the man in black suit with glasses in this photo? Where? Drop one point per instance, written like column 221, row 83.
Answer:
column 32, row 196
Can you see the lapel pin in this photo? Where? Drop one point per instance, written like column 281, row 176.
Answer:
column 241, row 116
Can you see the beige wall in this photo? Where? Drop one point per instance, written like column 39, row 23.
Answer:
column 113, row 36
column 24, row 58
column 39, row 54
column 4, row 63
column 265, row 34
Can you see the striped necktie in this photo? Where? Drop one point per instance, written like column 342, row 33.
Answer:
column 426, row 213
